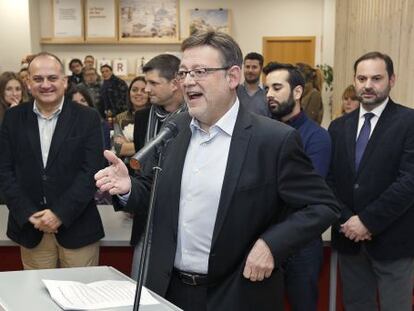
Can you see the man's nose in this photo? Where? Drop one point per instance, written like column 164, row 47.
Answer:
column 45, row 83
column 188, row 79
column 269, row 93
column 368, row 84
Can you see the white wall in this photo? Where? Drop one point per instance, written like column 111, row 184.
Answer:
column 251, row 20
column 22, row 23
column 327, row 53
column 14, row 33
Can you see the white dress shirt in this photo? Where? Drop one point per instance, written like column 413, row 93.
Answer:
column 201, row 183
column 47, row 127
column 374, row 120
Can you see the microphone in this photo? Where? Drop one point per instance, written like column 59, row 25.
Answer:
column 168, row 132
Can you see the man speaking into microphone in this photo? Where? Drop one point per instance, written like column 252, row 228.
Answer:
column 236, row 194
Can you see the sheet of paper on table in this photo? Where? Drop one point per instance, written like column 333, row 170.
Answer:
column 71, row 295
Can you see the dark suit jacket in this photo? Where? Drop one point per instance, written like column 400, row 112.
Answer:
column 382, row 191
column 140, row 131
column 66, row 185
column 268, row 179
column 140, row 127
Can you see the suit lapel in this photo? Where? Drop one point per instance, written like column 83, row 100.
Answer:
column 64, row 123
column 32, row 130
column 380, row 128
column 236, row 157
column 351, row 127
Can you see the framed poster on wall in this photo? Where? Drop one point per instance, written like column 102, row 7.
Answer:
column 68, row 20
column 101, row 21
column 148, row 21
column 209, row 19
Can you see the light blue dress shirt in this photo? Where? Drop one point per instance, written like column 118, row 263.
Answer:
column 201, row 184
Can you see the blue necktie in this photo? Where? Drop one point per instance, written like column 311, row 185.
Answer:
column 363, row 138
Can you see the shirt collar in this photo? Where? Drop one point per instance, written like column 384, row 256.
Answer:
column 260, row 85
column 54, row 114
column 226, row 123
column 377, row 111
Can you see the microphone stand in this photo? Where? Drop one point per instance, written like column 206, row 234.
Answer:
column 144, row 252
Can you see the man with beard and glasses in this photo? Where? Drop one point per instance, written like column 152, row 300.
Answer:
column 285, row 85
column 372, row 175
column 251, row 93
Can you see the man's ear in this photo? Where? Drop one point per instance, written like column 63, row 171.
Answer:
column 233, row 76
column 297, row 92
column 392, row 80
column 175, row 85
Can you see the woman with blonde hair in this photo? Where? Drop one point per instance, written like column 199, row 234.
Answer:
column 350, row 100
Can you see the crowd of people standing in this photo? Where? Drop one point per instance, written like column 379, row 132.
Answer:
column 244, row 198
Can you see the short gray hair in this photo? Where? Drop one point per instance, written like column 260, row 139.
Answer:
column 229, row 49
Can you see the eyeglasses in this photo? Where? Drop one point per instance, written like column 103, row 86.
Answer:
column 196, row 74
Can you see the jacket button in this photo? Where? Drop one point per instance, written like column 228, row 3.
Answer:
column 356, row 186
column 44, row 177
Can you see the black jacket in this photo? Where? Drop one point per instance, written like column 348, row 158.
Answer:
column 270, row 191
column 66, row 185
column 381, row 193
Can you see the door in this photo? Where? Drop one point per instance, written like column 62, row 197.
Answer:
column 289, row 50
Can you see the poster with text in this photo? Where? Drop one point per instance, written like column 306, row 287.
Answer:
column 68, row 19
column 100, row 20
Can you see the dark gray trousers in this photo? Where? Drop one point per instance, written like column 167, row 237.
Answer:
column 363, row 277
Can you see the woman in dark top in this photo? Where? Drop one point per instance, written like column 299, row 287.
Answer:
column 124, row 122
column 81, row 95
column 12, row 91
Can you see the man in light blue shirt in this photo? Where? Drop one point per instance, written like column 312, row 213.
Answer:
column 222, row 224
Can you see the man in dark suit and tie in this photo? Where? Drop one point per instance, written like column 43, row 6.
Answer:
column 236, row 194
column 372, row 175
column 50, row 150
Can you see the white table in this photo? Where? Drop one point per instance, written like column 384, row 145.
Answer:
column 24, row 290
column 117, row 226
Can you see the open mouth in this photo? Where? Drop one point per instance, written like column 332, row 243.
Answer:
column 193, row 95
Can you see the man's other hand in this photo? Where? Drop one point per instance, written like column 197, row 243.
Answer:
column 259, row 263
column 114, row 178
column 46, row 221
